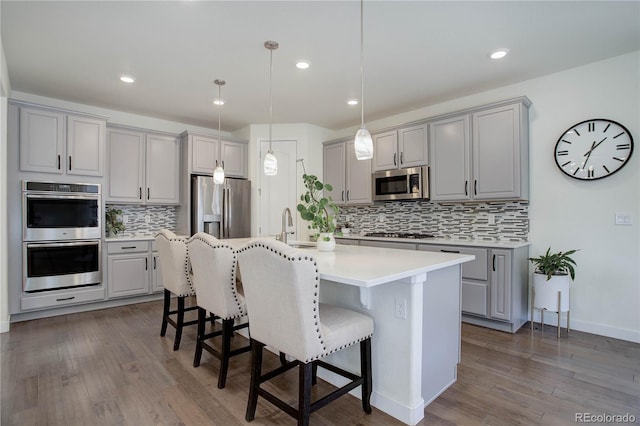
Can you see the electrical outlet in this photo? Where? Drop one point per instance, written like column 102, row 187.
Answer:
column 125, row 219
column 147, row 218
column 401, row 308
column 623, row 218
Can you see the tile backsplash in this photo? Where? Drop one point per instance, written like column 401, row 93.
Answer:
column 159, row 217
column 491, row 221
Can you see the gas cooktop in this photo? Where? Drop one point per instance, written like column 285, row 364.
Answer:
column 399, row 235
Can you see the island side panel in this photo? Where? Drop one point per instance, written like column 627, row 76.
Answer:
column 396, row 345
column 441, row 331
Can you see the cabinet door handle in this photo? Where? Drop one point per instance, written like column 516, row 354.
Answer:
column 450, row 251
column 69, row 162
column 401, row 158
column 343, row 195
column 494, row 262
column 155, row 263
column 58, row 161
column 394, row 160
column 62, row 299
column 347, row 195
column 140, row 192
column 146, row 263
column 475, row 187
column 465, row 187
column 148, row 193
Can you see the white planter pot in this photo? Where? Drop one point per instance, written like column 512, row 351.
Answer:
column 545, row 293
column 326, row 242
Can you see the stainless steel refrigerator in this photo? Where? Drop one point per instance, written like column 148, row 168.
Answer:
column 223, row 211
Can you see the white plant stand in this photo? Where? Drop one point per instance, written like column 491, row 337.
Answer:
column 552, row 296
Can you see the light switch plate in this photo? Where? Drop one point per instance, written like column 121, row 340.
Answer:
column 623, row 218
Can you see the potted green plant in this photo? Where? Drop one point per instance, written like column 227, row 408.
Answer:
column 113, row 224
column 320, row 210
column 551, row 280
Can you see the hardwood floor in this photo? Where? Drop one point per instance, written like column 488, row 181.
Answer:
column 111, row 367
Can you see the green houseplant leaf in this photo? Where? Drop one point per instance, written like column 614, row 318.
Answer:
column 559, row 263
column 316, row 207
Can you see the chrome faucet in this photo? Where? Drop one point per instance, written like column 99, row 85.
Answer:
column 283, row 235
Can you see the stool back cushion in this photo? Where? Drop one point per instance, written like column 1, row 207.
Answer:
column 213, row 264
column 174, row 264
column 281, row 291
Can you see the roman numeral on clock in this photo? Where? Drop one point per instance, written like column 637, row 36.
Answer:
column 590, row 173
column 592, row 127
column 623, row 146
column 562, row 152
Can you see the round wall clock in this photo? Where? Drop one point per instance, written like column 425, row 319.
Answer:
column 593, row 149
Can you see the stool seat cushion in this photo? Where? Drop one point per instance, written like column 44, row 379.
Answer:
column 342, row 327
column 174, row 263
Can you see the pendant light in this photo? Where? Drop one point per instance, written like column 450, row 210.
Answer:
column 218, row 173
column 270, row 160
column 363, row 144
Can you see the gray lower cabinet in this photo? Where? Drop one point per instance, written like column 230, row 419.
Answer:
column 132, row 269
column 494, row 285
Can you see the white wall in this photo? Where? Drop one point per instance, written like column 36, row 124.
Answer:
column 565, row 213
column 5, row 88
column 309, row 146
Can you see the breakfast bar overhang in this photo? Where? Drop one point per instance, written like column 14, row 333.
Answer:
column 414, row 300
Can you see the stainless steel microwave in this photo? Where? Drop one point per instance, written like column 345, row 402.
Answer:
column 401, row 184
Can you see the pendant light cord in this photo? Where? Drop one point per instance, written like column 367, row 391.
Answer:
column 362, row 63
column 270, row 94
column 219, row 111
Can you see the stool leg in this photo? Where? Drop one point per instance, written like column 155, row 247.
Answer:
column 314, row 374
column 202, row 316
column 227, row 332
column 365, row 371
column 179, row 323
column 304, row 393
column 283, row 358
column 256, row 371
column 165, row 312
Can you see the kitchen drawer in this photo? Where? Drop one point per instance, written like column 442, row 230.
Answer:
column 70, row 297
column 388, row 244
column 475, row 297
column 346, row 241
column 127, row 247
column 475, row 270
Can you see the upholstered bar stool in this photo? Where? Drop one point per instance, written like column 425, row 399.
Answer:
column 214, row 266
column 174, row 266
column 281, row 287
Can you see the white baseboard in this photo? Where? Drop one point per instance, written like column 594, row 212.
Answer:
column 4, row 325
column 551, row 318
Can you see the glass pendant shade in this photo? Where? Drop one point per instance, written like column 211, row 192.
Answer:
column 270, row 164
column 218, row 175
column 363, row 144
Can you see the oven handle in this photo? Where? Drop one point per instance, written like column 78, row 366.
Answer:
column 63, row 197
column 64, row 244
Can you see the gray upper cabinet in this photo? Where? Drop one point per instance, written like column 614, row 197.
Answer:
column 405, row 147
column 481, row 155
column 56, row 142
column 204, row 153
column 144, row 168
column 349, row 177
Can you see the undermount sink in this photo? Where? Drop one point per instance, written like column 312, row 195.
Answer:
column 302, row 246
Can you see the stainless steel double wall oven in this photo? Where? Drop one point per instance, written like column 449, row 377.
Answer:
column 61, row 235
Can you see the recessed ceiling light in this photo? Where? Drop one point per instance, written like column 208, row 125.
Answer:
column 303, row 64
column 499, row 53
column 219, row 102
column 127, row 79
column 352, row 102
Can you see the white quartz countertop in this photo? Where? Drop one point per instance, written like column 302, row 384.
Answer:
column 444, row 241
column 371, row 266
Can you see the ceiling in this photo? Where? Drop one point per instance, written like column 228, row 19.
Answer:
column 416, row 53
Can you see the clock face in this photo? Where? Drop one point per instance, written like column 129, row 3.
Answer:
column 593, row 149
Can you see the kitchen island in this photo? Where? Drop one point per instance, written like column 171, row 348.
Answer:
column 414, row 299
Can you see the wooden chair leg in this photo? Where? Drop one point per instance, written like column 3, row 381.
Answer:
column 305, row 372
column 256, row 372
column 202, row 316
column 165, row 312
column 314, row 374
column 283, row 358
column 179, row 323
column 365, row 371
column 227, row 333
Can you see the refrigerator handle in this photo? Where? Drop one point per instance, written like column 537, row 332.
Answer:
column 225, row 213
